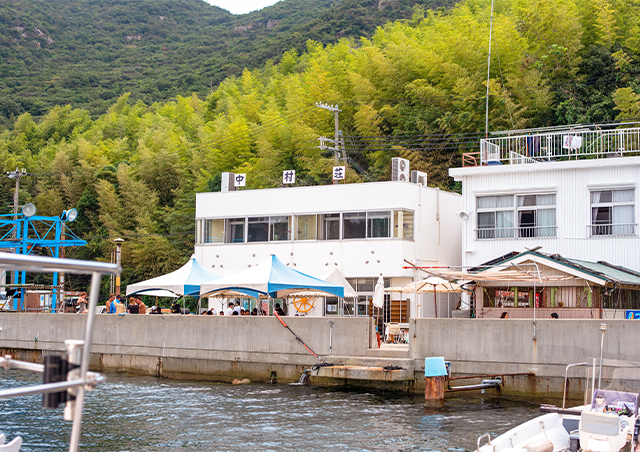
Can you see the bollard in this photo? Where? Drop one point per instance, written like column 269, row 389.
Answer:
column 434, row 376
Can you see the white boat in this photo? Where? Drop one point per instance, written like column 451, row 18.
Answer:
column 65, row 380
column 608, row 424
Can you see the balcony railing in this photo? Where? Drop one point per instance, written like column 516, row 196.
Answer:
column 618, row 229
column 568, row 144
column 518, row 232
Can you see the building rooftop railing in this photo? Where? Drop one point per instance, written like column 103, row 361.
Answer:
column 544, row 145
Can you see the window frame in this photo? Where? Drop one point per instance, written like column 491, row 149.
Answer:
column 611, row 229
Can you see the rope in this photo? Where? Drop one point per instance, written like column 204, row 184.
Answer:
column 295, row 335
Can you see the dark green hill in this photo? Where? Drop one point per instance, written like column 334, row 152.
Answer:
column 89, row 52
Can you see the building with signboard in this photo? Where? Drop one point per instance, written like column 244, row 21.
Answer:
column 364, row 230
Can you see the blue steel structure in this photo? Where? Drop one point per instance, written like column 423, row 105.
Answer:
column 23, row 233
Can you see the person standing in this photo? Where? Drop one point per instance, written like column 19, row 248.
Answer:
column 112, row 297
column 132, row 308
column 229, row 309
column 120, row 307
column 142, row 308
column 82, row 302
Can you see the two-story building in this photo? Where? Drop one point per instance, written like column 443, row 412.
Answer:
column 569, row 192
column 365, row 230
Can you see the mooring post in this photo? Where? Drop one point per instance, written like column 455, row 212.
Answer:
column 435, row 371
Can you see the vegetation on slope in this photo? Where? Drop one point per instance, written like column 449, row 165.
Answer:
column 415, row 89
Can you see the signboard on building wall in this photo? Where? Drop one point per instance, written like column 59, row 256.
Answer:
column 632, row 314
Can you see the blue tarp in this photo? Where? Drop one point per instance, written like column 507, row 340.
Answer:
column 184, row 281
column 270, row 278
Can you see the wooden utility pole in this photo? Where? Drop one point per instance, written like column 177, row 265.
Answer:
column 17, row 175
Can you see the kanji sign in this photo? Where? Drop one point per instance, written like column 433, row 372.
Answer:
column 289, row 177
column 240, row 180
column 339, row 172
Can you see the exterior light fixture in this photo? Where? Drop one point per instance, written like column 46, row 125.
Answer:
column 69, row 215
column 464, row 216
column 28, row 210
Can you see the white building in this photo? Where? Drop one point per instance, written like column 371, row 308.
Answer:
column 571, row 193
column 365, row 230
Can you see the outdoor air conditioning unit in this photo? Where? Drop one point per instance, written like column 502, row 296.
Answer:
column 227, row 182
column 400, row 169
column 419, row 177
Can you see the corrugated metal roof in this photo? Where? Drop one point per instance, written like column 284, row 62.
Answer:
column 619, row 274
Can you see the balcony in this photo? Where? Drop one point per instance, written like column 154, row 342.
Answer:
column 614, row 229
column 577, row 143
column 517, row 232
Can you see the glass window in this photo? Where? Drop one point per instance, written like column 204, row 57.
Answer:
column 306, row 227
column 331, row 304
column 354, row 225
column 378, row 224
column 258, row 229
column 199, row 231
column 280, row 228
column 329, row 226
column 234, row 230
column 403, row 224
column 537, row 215
column 495, row 217
column 612, row 212
column 214, row 231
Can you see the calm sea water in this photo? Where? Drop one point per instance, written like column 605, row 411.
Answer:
column 131, row 413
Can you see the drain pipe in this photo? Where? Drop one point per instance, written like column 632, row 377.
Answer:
column 330, row 336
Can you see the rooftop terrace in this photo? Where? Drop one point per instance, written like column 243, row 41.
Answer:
column 578, row 142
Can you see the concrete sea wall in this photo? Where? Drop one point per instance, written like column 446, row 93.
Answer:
column 224, row 348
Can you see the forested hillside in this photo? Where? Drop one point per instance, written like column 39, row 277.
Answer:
column 415, row 89
column 88, row 53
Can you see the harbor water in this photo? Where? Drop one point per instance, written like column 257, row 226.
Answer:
column 133, row 413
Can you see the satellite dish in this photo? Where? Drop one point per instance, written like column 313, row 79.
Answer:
column 69, row 215
column 28, row 210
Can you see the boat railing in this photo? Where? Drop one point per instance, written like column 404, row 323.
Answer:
column 486, row 435
column 79, row 379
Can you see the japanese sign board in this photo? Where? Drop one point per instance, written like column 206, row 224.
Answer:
column 240, row 180
column 289, row 177
column 339, row 173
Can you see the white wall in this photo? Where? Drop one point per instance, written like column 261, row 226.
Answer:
column 572, row 181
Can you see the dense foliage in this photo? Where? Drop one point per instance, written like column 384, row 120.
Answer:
column 133, row 172
column 88, row 53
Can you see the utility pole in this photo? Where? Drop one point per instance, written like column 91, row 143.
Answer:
column 17, row 175
column 335, row 111
column 118, row 242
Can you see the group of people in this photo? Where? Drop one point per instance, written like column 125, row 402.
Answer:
column 118, row 305
column 237, row 309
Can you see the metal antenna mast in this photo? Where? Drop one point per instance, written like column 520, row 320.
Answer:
column 486, row 115
column 335, row 111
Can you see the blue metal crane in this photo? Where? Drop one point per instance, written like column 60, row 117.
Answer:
column 25, row 231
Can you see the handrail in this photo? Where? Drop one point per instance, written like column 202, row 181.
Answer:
column 81, row 378
column 566, row 373
column 488, row 435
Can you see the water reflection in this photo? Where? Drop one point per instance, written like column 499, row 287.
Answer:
column 147, row 414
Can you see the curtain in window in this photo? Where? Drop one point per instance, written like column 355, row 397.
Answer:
column 504, row 224
column 623, row 196
column 595, row 199
column 546, row 221
column 486, row 225
column 623, row 217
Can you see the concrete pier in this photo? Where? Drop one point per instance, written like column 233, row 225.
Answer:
column 224, row 348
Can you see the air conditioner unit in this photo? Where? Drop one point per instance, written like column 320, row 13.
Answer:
column 227, row 183
column 419, row 177
column 400, row 169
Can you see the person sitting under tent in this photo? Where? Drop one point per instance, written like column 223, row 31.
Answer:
column 279, row 310
column 229, row 309
column 175, row 308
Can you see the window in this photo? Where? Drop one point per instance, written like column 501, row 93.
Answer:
column 199, row 239
column 522, row 216
column 213, row 231
column 403, row 224
column 235, row 230
column 279, row 227
column 354, row 225
column 378, row 224
column 537, row 216
column 306, row 227
column 258, row 229
column 495, row 217
column 612, row 212
column 330, row 226
column 331, row 304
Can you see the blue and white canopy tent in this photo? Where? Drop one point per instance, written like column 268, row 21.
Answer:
column 185, row 281
column 270, row 279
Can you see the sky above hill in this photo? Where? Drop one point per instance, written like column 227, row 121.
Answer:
column 242, row 6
